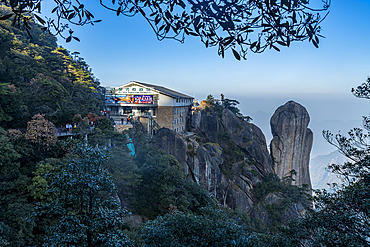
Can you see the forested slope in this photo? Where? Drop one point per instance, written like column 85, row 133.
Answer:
column 37, row 76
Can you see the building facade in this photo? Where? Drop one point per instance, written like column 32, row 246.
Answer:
column 147, row 102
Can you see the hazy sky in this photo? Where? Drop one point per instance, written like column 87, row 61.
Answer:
column 122, row 49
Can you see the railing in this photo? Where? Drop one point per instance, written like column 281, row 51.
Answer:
column 63, row 131
column 153, row 126
column 138, row 114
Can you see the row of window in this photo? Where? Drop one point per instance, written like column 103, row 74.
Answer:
column 189, row 101
column 179, row 110
column 178, row 121
column 178, row 129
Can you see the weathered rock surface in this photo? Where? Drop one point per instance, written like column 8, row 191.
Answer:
column 217, row 132
column 230, row 156
column 199, row 162
column 287, row 212
column 172, row 143
column 245, row 135
column 292, row 142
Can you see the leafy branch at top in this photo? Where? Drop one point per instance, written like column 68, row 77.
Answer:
column 239, row 25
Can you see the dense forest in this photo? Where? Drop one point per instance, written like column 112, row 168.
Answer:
column 84, row 191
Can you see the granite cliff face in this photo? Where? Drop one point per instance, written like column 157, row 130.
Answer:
column 230, row 156
column 292, row 142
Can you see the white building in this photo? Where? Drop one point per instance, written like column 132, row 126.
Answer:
column 167, row 107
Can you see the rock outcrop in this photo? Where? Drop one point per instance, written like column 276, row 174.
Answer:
column 292, row 142
column 229, row 156
column 225, row 153
column 220, row 127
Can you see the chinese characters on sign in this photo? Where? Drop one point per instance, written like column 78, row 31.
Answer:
column 143, row 99
column 129, row 99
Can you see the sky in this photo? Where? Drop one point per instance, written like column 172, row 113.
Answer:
column 121, row 49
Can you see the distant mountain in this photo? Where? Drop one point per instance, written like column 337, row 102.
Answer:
column 320, row 177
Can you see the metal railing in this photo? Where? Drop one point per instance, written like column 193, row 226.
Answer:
column 138, row 114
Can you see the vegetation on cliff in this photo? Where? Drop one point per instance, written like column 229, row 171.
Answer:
column 37, row 76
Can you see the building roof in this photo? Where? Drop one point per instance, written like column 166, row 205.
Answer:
column 164, row 90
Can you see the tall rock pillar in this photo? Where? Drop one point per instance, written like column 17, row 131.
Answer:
column 292, row 142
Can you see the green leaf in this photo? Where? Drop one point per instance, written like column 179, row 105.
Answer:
column 196, row 21
column 236, row 54
column 182, row 4
column 168, row 15
column 39, row 19
column 314, row 43
column 5, row 17
column 276, row 48
column 227, row 41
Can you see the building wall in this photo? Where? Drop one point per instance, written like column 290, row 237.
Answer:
column 165, row 117
column 144, row 121
column 164, row 100
column 179, row 118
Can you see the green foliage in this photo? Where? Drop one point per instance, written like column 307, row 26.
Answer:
column 84, row 210
column 211, row 100
column 363, row 91
column 12, row 110
column 288, row 193
column 210, row 227
column 162, row 184
column 232, row 153
column 272, row 183
column 37, row 76
column 231, row 104
column 14, row 206
column 40, row 184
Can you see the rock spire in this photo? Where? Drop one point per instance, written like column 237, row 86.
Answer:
column 292, row 142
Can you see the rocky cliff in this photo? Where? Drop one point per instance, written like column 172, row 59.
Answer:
column 229, row 156
column 292, row 142
column 225, row 153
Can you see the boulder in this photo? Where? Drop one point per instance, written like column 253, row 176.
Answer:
column 292, row 142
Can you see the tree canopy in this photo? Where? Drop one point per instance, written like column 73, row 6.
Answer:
column 239, row 25
column 38, row 77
